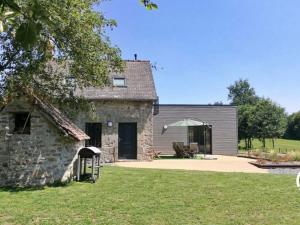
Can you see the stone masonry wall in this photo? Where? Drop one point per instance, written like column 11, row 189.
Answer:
column 118, row 112
column 44, row 156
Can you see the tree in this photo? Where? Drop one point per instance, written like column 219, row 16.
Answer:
column 29, row 29
column 46, row 45
column 243, row 96
column 149, row 5
column 293, row 127
column 246, row 129
column 218, row 103
column 257, row 117
column 241, row 93
column 269, row 120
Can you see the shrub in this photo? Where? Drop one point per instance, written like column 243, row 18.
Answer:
column 273, row 156
column 256, row 152
column 295, row 156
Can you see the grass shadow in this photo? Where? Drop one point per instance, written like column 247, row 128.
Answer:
column 20, row 189
column 15, row 189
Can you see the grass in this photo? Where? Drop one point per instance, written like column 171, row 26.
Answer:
column 282, row 145
column 140, row 196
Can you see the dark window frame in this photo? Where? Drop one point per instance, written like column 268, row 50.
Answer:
column 120, row 85
column 192, row 130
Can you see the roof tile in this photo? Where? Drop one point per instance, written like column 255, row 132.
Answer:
column 62, row 122
column 139, row 84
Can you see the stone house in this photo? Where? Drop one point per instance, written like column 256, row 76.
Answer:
column 123, row 123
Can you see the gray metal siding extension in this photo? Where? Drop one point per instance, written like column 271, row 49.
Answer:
column 222, row 118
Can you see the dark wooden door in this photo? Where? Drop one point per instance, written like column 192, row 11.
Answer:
column 127, row 141
column 94, row 130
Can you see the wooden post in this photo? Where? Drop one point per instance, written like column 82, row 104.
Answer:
column 93, row 165
column 84, row 169
column 81, row 163
column 98, row 167
column 78, row 168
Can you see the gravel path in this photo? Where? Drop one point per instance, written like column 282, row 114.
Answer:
column 287, row 171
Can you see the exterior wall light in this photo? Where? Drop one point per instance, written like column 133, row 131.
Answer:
column 165, row 127
column 109, row 123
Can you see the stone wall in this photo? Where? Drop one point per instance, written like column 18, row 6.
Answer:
column 139, row 112
column 42, row 157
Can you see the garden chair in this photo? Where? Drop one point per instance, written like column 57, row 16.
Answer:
column 181, row 150
column 194, row 149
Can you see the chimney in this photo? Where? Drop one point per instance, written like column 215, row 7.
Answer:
column 135, row 57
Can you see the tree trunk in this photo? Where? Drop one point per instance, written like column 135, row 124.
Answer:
column 273, row 143
column 264, row 142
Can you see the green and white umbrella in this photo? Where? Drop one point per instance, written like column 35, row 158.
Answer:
column 186, row 123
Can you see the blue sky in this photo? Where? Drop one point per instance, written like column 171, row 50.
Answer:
column 202, row 46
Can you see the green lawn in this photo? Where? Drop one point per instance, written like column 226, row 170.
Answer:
column 140, row 196
column 280, row 144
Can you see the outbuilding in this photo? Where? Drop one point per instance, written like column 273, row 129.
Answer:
column 218, row 135
column 38, row 143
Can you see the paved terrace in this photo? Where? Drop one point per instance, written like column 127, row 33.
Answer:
column 221, row 164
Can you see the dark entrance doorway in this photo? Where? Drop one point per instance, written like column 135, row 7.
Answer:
column 94, row 130
column 127, row 141
column 203, row 136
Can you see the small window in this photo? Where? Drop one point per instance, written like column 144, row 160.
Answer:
column 119, row 82
column 22, row 123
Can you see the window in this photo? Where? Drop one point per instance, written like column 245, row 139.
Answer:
column 119, row 82
column 94, row 130
column 22, row 123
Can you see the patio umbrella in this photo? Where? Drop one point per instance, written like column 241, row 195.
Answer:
column 186, row 123
column 189, row 123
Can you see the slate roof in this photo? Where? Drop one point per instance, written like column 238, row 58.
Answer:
column 60, row 120
column 139, row 84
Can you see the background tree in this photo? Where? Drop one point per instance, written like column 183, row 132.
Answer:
column 246, row 129
column 293, row 127
column 257, row 117
column 269, row 120
column 218, row 103
column 241, row 93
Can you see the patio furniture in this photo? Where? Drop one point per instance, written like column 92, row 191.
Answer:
column 194, row 149
column 153, row 154
column 181, row 150
column 190, row 123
